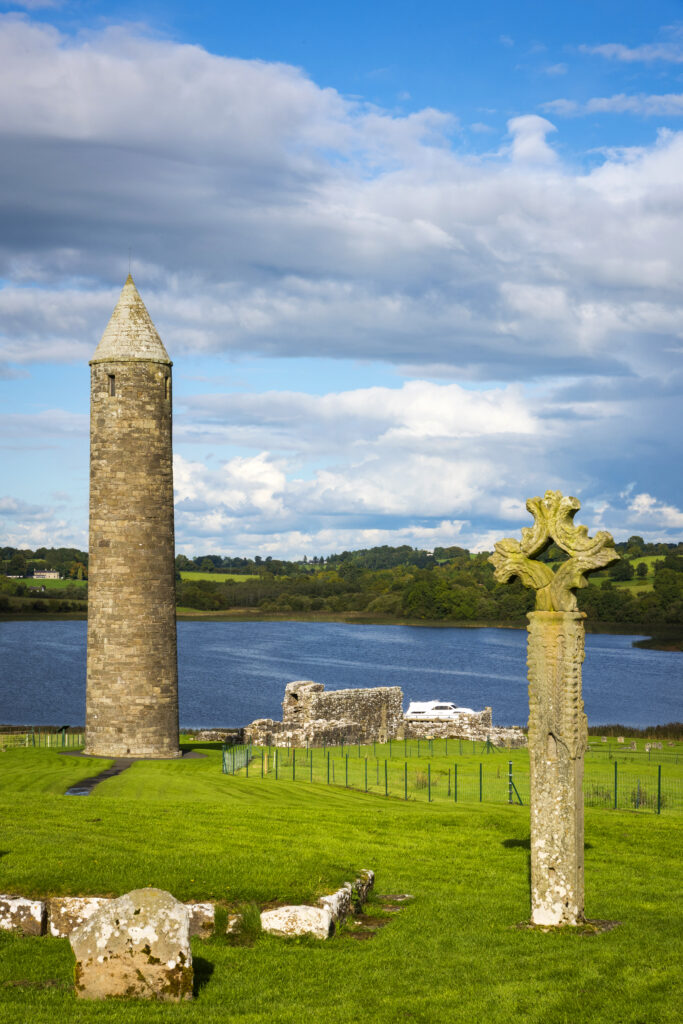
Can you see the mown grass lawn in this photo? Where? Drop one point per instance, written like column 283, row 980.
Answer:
column 454, row 954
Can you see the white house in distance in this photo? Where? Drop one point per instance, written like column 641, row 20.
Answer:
column 45, row 574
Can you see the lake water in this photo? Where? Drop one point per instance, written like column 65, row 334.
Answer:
column 233, row 672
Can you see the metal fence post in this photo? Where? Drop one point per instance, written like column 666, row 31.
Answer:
column 449, row 782
column 481, row 788
column 455, row 783
column 347, row 771
column 233, row 760
column 429, row 782
column 310, row 759
column 405, row 780
column 247, row 761
column 659, row 789
column 509, row 782
column 261, row 762
column 615, row 785
column 366, row 774
column 276, row 762
column 386, row 778
column 328, row 767
column 293, row 764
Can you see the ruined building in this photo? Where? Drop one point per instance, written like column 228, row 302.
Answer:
column 311, row 717
column 132, row 684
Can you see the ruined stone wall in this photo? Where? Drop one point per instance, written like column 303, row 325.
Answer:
column 312, row 717
column 132, row 688
column 363, row 715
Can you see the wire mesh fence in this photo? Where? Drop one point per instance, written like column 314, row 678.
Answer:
column 62, row 738
column 658, row 753
column 235, row 758
column 456, row 779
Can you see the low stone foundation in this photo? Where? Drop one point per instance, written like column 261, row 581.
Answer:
column 476, row 726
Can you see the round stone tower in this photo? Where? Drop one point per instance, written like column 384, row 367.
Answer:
column 132, row 689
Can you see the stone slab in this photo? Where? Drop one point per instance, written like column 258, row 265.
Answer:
column 202, row 919
column 302, row 920
column 18, row 914
column 67, row 913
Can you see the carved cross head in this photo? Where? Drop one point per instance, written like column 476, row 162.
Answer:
column 553, row 521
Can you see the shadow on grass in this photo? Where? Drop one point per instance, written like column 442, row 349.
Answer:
column 187, row 746
column 203, row 969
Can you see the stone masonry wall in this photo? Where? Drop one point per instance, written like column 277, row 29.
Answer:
column 132, row 688
column 375, row 713
column 312, row 717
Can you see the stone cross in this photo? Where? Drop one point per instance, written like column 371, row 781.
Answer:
column 558, row 730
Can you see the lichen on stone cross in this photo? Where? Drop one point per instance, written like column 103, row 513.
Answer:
column 553, row 521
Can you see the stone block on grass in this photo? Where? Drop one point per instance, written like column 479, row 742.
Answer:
column 18, row 914
column 202, row 919
column 302, row 920
column 137, row 946
column 67, row 913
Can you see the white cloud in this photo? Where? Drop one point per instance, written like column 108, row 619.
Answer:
column 647, row 52
column 646, row 105
column 268, row 215
column 656, row 513
column 34, row 5
column 529, row 139
column 45, row 424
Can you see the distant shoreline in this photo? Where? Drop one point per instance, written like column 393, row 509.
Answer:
column 663, row 639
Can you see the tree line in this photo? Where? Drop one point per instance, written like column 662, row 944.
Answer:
column 390, row 583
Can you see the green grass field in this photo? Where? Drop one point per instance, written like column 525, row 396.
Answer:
column 646, row 586
column 53, row 584
column 454, row 954
column 217, row 577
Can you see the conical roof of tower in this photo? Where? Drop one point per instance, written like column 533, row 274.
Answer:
column 130, row 333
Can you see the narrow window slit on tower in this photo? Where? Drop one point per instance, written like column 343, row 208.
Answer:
column 112, row 385
column 167, row 387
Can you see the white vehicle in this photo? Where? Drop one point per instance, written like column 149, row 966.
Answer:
column 435, row 709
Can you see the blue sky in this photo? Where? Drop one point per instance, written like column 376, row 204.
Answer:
column 414, row 263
